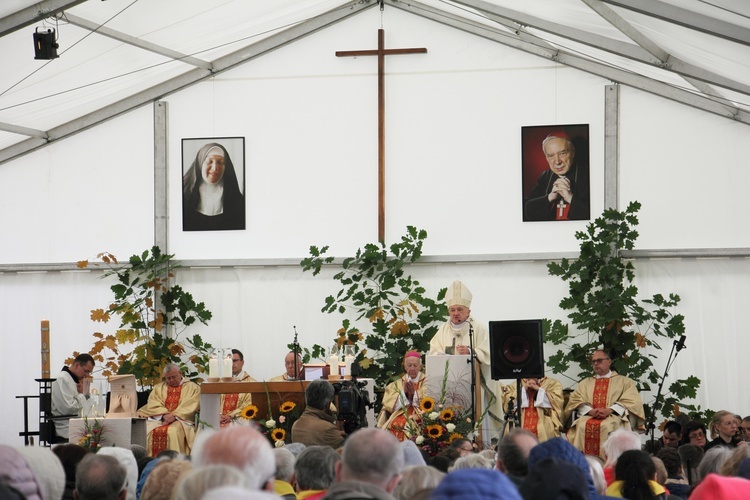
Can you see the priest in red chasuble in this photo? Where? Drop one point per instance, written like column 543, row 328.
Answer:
column 541, row 405
column 602, row 404
column 232, row 404
column 171, row 412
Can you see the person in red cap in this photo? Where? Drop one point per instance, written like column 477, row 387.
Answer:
column 403, row 396
column 562, row 192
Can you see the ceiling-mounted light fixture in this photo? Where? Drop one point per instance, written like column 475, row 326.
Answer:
column 45, row 45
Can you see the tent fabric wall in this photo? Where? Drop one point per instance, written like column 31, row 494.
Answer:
column 454, row 118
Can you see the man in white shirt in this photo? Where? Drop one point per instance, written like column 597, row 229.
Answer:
column 69, row 393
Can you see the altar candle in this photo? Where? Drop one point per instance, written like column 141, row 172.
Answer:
column 45, row 349
column 349, row 360
column 333, row 363
column 227, row 367
column 213, row 368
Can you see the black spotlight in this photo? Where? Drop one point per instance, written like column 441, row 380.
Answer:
column 45, row 46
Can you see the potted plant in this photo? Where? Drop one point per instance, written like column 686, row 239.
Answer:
column 378, row 293
column 153, row 315
column 607, row 313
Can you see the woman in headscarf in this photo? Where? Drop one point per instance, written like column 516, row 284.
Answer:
column 211, row 197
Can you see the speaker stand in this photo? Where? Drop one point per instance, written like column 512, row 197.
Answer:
column 519, row 404
column 472, row 361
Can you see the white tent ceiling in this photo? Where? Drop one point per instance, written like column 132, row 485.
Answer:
column 116, row 55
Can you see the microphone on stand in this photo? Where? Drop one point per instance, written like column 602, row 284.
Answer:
column 295, row 349
column 680, row 344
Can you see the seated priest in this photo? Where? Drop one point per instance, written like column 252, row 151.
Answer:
column 402, row 398
column 232, row 404
column 171, row 410
column 602, row 404
column 294, row 368
column 541, row 406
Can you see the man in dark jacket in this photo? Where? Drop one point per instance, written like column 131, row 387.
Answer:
column 316, row 425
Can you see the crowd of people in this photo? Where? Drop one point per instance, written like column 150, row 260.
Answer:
column 239, row 462
column 589, row 447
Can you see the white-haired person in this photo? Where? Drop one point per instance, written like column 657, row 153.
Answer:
column 616, row 444
column 241, row 447
column 402, row 398
column 171, row 410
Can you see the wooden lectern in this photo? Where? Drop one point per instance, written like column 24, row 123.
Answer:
column 261, row 392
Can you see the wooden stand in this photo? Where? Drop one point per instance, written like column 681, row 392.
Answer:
column 277, row 392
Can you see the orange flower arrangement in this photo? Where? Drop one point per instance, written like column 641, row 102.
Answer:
column 434, row 431
column 454, row 436
column 249, row 412
column 427, row 404
column 278, row 435
column 446, row 414
column 287, row 406
column 277, row 426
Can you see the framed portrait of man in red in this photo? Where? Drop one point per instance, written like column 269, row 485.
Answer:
column 213, row 184
column 555, row 172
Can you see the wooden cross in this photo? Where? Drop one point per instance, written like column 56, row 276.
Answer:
column 381, row 52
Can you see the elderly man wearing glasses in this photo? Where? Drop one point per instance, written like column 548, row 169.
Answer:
column 602, row 404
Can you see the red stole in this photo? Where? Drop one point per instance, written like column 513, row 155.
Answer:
column 159, row 435
column 592, row 437
column 230, row 404
column 530, row 414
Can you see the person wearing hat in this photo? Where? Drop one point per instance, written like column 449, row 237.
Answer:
column 562, row 192
column 402, row 397
column 211, row 196
column 453, row 337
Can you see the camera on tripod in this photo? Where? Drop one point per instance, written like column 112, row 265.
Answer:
column 353, row 403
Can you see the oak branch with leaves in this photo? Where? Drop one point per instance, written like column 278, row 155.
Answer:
column 153, row 315
column 606, row 312
column 380, row 296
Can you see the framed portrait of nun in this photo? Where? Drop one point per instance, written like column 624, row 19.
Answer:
column 213, row 184
column 555, row 172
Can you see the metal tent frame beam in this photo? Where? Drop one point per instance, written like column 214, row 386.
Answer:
column 185, row 80
column 666, row 59
column 136, row 42
column 645, row 51
column 35, row 13
column 611, row 73
column 686, row 18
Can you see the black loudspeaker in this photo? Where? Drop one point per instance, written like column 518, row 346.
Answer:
column 45, row 46
column 516, row 349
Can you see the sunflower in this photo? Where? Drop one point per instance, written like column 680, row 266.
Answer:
column 454, row 436
column 287, row 406
column 278, row 434
column 446, row 414
column 434, row 431
column 427, row 404
column 249, row 412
